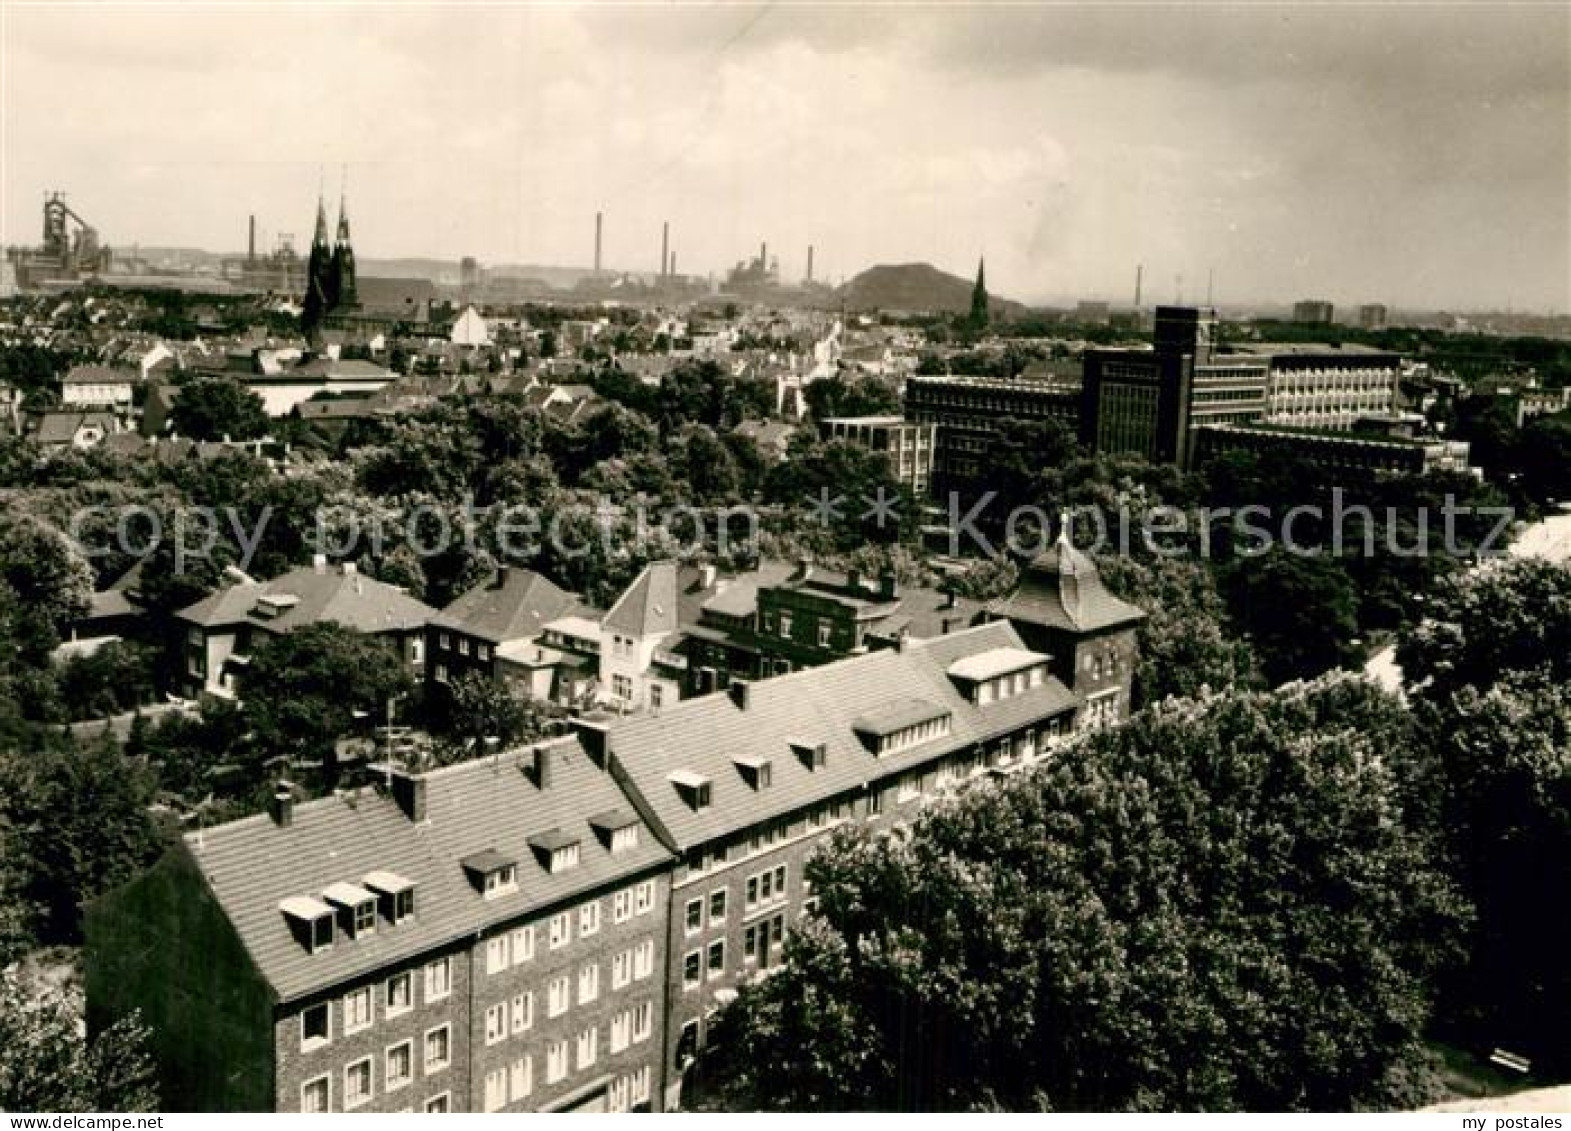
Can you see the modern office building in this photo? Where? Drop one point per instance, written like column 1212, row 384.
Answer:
column 971, row 412
column 908, row 445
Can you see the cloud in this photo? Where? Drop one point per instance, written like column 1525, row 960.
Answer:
column 1409, row 154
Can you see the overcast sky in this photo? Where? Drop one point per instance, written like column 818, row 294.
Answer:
column 1414, row 154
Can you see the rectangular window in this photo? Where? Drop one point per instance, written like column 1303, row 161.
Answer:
column 622, row 688
column 717, row 958
column 624, row 840
column 463, row 646
column 365, row 918
column 316, row 1096
column 400, row 994
column 622, row 906
column 438, row 1049
column 644, row 898
column 496, row 955
column 588, row 919
column 495, row 1024
column 523, row 945
column 441, row 673
column 750, row 945
column 588, row 983
column 444, row 642
column 400, row 1065
column 357, row 1084
column 438, row 979
column 823, row 633
column 523, row 1012
column 501, row 881
column 561, row 930
column 315, row 1026
column 641, row 1085
column 621, row 969
column 643, row 1021
column 483, row 651
column 521, row 1078
column 692, row 969
column 588, row 1047
column 717, row 901
column 621, row 1031
column 555, row 1061
column 496, row 1089
column 644, row 960
column 694, row 919
column 558, row 996
column 357, row 1011
column 439, row 1105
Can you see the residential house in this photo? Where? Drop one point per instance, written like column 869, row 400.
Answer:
column 496, row 628
column 98, row 386
column 222, row 628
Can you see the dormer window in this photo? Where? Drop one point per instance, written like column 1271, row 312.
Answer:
column 356, row 908
column 617, row 829
column 902, row 725
column 694, row 788
column 311, row 920
column 491, row 872
column 757, row 772
column 813, row 755
column 557, row 851
column 395, row 895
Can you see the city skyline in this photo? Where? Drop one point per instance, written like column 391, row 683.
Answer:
column 1409, row 154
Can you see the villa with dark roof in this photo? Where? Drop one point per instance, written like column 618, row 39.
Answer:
column 496, row 629
column 222, row 627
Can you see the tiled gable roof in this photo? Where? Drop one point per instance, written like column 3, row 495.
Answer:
column 649, row 606
column 489, row 806
column 323, row 594
column 515, row 604
column 708, row 735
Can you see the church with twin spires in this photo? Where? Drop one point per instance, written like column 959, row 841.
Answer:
column 330, row 272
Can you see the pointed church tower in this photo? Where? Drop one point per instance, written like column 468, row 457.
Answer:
column 320, row 291
column 979, row 297
column 344, row 291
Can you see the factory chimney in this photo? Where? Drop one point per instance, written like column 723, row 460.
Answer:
column 665, row 247
column 598, row 228
column 250, row 249
column 809, row 263
column 763, row 257
column 672, row 271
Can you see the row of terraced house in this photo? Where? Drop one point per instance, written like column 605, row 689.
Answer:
column 555, row 927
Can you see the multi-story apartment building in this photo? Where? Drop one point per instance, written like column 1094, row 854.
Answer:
column 971, row 411
column 1322, row 387
column 489, row 936
column 1351, row 457
column 746, row 784
column 223, row 627
column 908, row 446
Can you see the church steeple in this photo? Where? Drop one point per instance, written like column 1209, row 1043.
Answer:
column 345, row 295
column 320, row 291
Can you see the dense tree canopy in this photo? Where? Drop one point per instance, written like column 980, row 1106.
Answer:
column 1217, row 906
column 218, row 408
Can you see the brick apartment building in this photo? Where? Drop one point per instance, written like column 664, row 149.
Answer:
column 552, row 928
column 489, row 936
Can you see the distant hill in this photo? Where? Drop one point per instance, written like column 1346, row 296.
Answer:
column 916, row 287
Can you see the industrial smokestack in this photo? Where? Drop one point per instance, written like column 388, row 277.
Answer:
column 672, row 271
column 1139, row 273
column 809, row 263
column 250, row 247
column 763, row 257
column 665, row 248
column 598, row 229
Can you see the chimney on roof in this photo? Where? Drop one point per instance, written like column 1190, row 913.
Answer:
column 281, row 806
column 707, row 573
column 541, row 770
column 741, row 692
column 804, row 568
column 409, row 793
column 594, row 735
column 348, row 569
column 499, row 580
